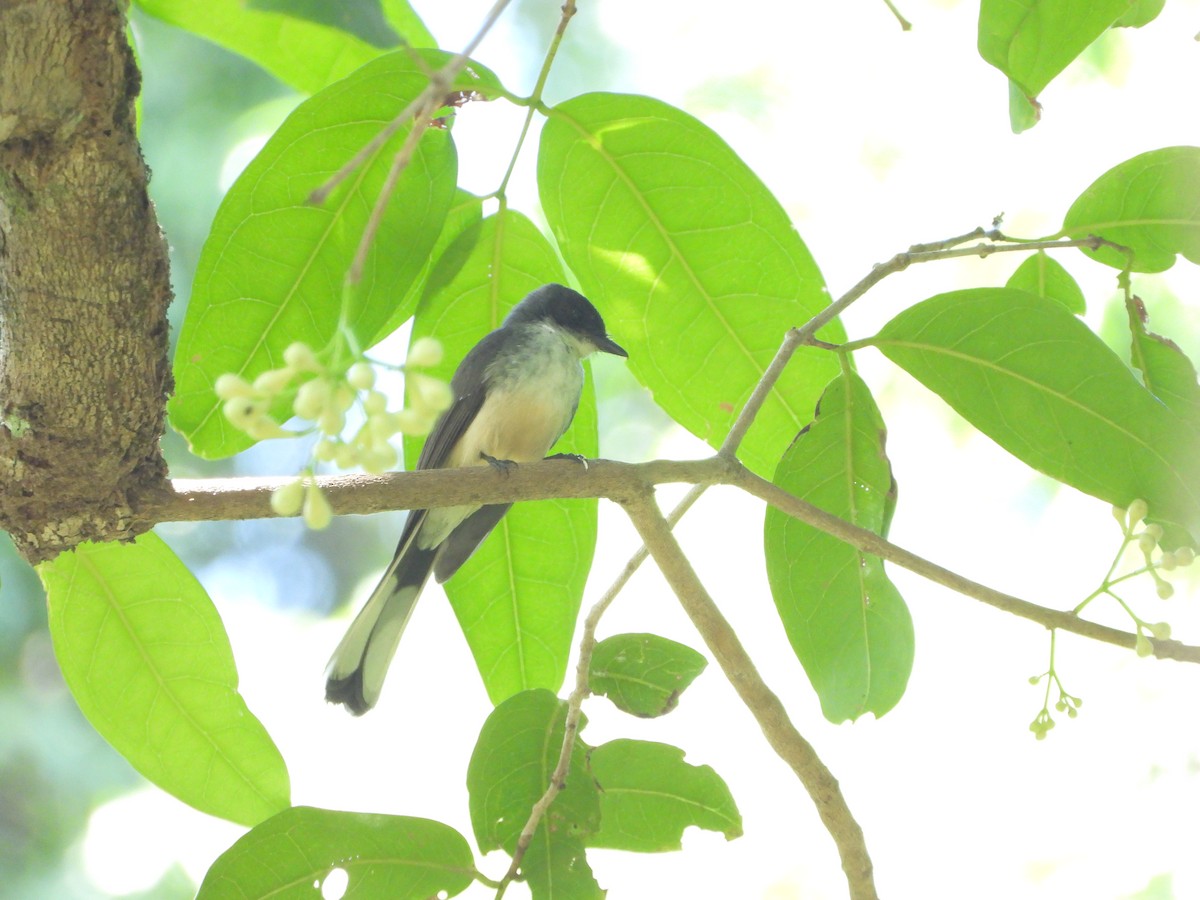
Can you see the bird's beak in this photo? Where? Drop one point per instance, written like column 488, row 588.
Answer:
column 608, row 345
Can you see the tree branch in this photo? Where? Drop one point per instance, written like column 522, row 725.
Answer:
column 766, row 708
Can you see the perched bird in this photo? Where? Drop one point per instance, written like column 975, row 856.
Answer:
column 515, row 393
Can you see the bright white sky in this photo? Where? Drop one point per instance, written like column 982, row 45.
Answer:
column 873, row 139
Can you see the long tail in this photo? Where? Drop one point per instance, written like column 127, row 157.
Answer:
column 356, row 670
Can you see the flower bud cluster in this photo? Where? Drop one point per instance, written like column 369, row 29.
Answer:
column 323, row 396
column 1066, row 703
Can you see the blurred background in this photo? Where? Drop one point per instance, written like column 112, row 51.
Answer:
column 873, row 139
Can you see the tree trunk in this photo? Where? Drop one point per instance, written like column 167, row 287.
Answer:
column 84, row 282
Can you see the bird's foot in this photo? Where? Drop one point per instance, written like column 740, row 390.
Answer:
column 500, row 465
column 578, row 457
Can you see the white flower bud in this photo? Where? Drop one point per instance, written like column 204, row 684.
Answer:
column 343, row 397
column 1184, row 556
column 425, row 351
column 411, row 421
column 312, row 399
column 1161, row 630
column 346, row 456
column 431, row 393
column 379, row 460
column 374, row 403
column 1146, row 543
column 361, row 376
column 262, row 429
column 1137, row 512
column 326, row 450
column 299, row 357
column 1142, row 646
column 286, row 500
column 317, row 511
column 229, row 386
column 240, row 411
column 331, row 421
column 1164, row 590
column 273, row 381
column 1167, row 561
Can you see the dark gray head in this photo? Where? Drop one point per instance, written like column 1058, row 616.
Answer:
column 566, row 309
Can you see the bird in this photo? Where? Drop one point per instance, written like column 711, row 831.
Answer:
column 515, row 393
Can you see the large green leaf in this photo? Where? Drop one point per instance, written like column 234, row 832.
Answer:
column 845, row 619
column 1036, row 380
column 649, row 795
column 518, row 597
column 1043, row 275
column 291, row 854
column 272, row 269
column 510, row 769
column 1166, row 370
column 643, row 674
column 146, row 657
column 692, row 261
column 1150, row 204
column 302, row 54
column 1031, row 41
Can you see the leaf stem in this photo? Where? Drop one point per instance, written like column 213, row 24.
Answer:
column 535, row 99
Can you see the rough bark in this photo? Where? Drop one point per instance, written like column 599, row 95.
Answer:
column 84, row 282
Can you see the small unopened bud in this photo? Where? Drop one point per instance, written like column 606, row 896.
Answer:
column 410, row 421
column 287, row 500
column 312, row 398
column 343, row 397
column 262, row 429
column 1142, row 646
column 425, row 351
column 299, row 357
column 1184, row 556
column 361, row 376
column 1167, row 561
column 374, row 403
column 331, row 421
column 317, row 511
column 273, row 381
column 229, row 386
column 431, row 393
column 1155, row 531
column 1137, row 512
column 325, row 450
column 1164, row 590
column 240, row 411
column 1118, row 513
column 1161, row 630
column 1146, row 543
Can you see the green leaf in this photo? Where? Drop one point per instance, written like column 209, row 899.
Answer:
column 643, row 674
column 1023, row 111
column 556, row 868
column 1041, row 274
column 304, row 55
column 1166, row 370
column 361, row 18
column 1031, row 41
column 1141, row 12
column 1037, row 381
column 510, row 769
column 464, row 215
column 402, row 17
column 649, row 795
column 518, row 597
column 1150, row 204
column 291, row 854
column 272, row 269
column 691, row 260
column 146, row 657
column 845, row 619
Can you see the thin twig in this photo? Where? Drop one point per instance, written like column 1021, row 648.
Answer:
column 420, row 108
column 763, row 704
column 869, row 542
column 587, row 644
column 905, row 25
